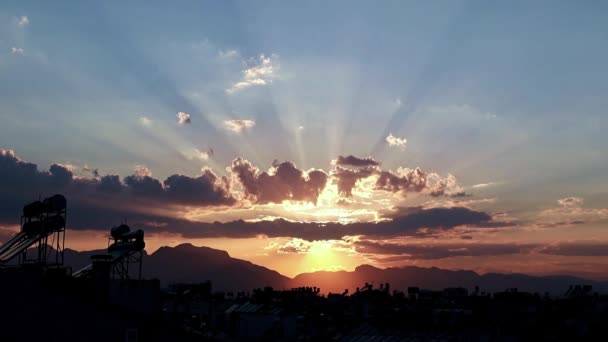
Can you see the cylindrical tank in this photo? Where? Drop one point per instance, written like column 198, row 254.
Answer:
column 55, row 203
column 54, row 223
column 118, row 232
column 33, row 209
column 32, row 228
column 133, row 241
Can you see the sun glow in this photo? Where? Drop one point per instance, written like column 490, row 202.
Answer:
column 322, row 256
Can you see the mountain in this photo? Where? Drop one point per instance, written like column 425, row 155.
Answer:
column 436, row 278
column 188, row 263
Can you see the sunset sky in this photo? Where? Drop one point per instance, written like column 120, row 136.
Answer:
column 316, row 135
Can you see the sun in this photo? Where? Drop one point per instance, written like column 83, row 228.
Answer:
column 322, row 256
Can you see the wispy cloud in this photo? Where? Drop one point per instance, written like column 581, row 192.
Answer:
column 183, row 118
column 485, row 185
column 145, row 121
column 261, row 72
column 17, row 51
column 204, row 154
column 23, row 21
column 227, row 54
column 394, row 141
column 238, row 125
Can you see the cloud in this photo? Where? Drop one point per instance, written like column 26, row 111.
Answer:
column 404, row 181
column 571, row 202
column 142, row 171
column 21, row 182
column 485, row 185
column 261, row 71
column 347, row 179
column 238, row 125
column 417, row 223
column 87, row 168
column 146, row 121
column 354, row 161
column 17, row 51
column 415, row 180
column 101, row 201
column 23, row 21
column 439, row 250
column 571, row 208
column 183, row 118
column 394, row 141
column 226, row 54
column 284, row 181
column 577, row 248
column 204, row 154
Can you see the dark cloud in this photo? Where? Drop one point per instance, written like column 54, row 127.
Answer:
column 439, row 251
column 417, row 222
column 354, row 161
column 21, row 182
column 577, row 248
column 98, row 203
column 284, row 182
column 347, row 178
column 404, row 181
column 207, row 189
column 410, row 180
column 110, row 184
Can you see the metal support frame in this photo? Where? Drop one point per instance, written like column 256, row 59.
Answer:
column 120, row 268
column 42, row 245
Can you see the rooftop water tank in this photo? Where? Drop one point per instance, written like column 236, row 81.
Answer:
column 118, row 232
column 33, row 209
column 55, row 203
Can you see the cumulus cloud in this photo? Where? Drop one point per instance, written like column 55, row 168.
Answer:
column 354, row 161
column 23, row 21
column 261, row 71
column 238, row 125
column 142, row 171
column 99, row 202
column 571, row 208
column 21, row 182
column 17, row 51
column 571, row 202
column 404, row 181
column 394, row 141
column 204, row 154
column 347, row 179
column 183, row 118
column 284, row 181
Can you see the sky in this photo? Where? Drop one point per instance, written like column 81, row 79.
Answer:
column 316, row 135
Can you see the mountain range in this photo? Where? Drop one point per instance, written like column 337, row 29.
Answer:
column 186, row 263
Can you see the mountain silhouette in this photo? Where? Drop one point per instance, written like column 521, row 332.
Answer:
column 186, row 263
column 435, row 279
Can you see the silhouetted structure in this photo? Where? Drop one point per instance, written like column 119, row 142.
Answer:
column 40, row 221
column 125, row 248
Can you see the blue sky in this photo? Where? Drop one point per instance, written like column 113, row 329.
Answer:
column 507, row 94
